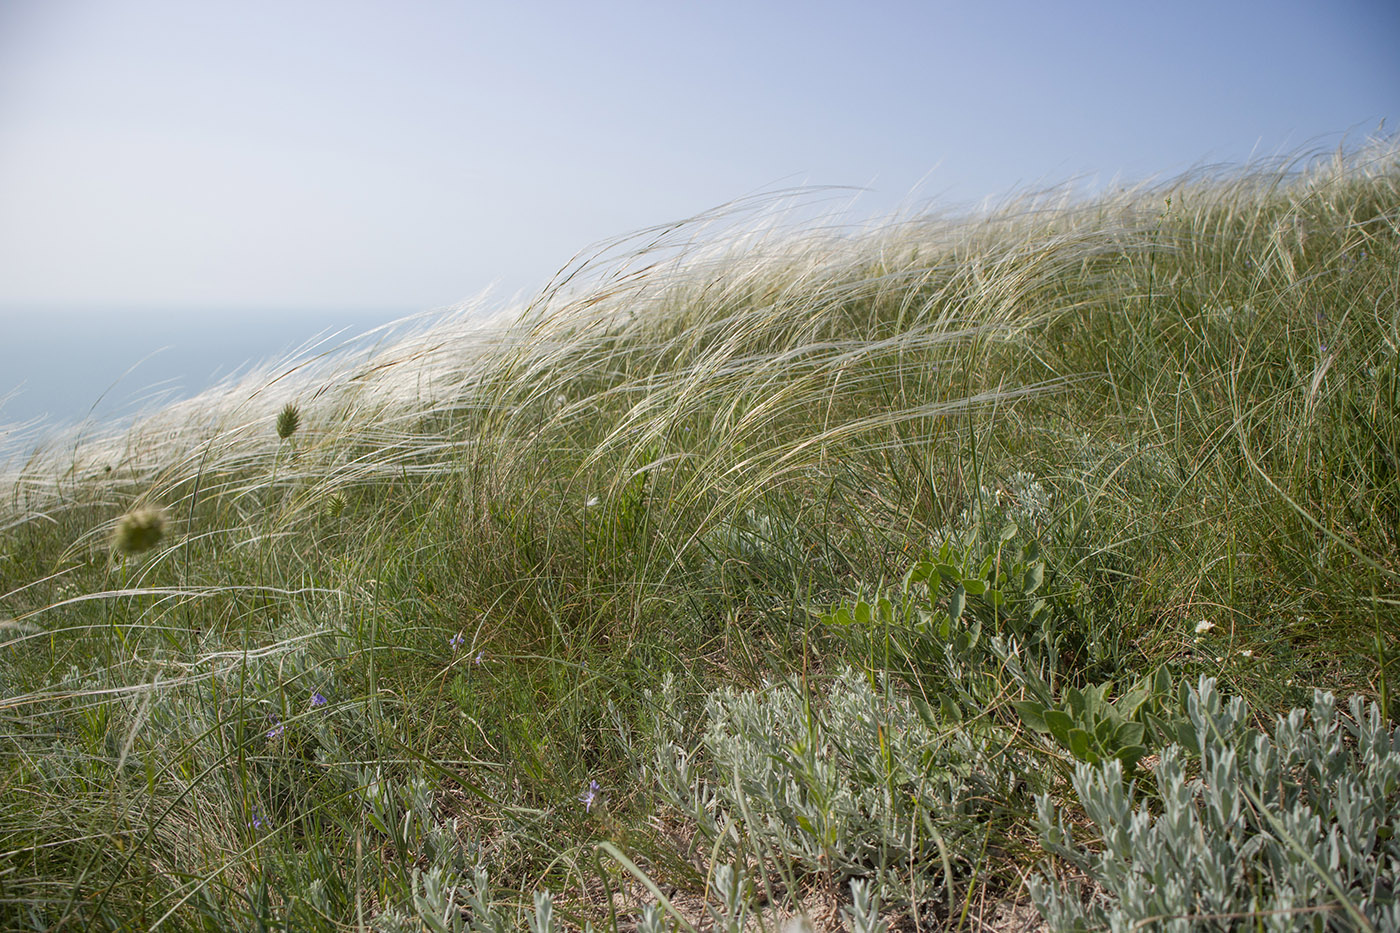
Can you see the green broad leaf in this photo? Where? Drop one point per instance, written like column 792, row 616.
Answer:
column 1059, row 723
column 1040, row 612
column 1008, row 531
column 945, row 628
column 1032, row 714
column 1163, row 731
column 1161, row 682
column 949, row 572
column 1130, row 755
column 841, row 616
column 1032, row 550
column 1034, row 577
column 926, row 713
column 1186, row 737
column 1081, row 746
column 862, row 613
column 805, row 823
column 995, row 597
column 986, row 567
column 921, row 572
column 975, row 586
column 952, row 711
column 1129, row 733
column 1130, row 702
column 1104, row 731
column 1075, row 699
column 956, row 601
column 1183, row 695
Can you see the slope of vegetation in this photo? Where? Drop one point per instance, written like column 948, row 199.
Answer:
column 890, row 576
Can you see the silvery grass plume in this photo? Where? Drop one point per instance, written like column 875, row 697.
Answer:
column 731, row 325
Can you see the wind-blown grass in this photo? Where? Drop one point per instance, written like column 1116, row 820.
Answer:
column 1160, row 425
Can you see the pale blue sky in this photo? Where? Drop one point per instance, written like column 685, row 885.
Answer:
column 194, row 153
column 198, row 158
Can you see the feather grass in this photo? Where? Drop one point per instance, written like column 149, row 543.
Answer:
column 673, row 461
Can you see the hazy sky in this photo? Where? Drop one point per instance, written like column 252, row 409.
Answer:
column 306, row 154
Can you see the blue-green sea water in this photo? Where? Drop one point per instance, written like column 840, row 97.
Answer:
column 60, row 366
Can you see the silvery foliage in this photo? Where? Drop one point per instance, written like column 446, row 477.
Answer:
column 754, row 545
column 449, row 896
column 652, row 920
column 445, row 900
column 1024, row 501
column 1273, row 827
column 850, row 782
column 405, row 814
column 542, row 920
column 732, row 889
column 863, row 915
column 1029, row 501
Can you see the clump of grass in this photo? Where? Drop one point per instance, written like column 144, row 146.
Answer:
column 1051, row 448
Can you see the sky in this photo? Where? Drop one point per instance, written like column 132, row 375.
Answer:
column 338, row 160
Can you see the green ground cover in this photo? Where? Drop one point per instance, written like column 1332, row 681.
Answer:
column 914, row 575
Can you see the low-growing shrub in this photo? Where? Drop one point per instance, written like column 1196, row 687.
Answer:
column 859, row 783
column 1295, row 830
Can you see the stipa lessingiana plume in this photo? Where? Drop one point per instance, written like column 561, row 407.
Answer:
column 288, row 421
column 139, row 530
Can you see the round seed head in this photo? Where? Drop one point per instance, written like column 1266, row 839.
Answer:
column 288, row 421
column 139, row 530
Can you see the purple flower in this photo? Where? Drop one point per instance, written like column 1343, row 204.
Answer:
column 317, row 699
column 258, row 821
column 588, row 796
column 480, row 656
column 276, row 730
column 456, row 641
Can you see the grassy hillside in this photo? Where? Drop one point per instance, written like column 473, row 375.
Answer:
column 753, row 570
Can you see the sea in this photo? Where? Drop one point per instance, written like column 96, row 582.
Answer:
column 61, row 366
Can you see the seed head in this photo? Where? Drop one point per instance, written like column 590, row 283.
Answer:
column 288, row 421
column 139, row 530
column 335, row 504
